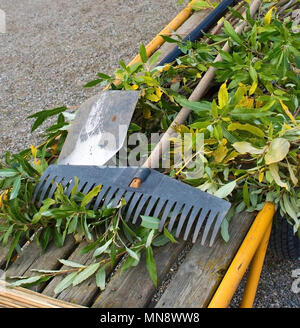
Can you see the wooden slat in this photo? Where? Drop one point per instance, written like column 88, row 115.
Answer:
column 202, row 270
column 18, row 297
column 84, row 292
column 33, row 258
column 187, row 27
column 133, row 288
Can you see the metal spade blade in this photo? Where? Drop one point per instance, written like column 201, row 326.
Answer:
column 99, row 129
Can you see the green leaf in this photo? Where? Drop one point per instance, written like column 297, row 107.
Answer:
column 150, row 238
column 289, row 208
column 43, row 115
column 45, row 238
column 278, row 150
column 93, row 193
column 16, row 188
column 246, row 194
column 130, row 262
column 7, row 235
column 92, row 83
column 229, row 30
column 225, row 231
column 101, row 278
column 86, row 273
column 102, row 249
column 151, row 265
column 13, row 246
column 7, row 173
column 244, row 147
column 150, row 222
column 225, row 190
column 70, row 263
column 65, row 283
column 168, row 235
column 154, row 58
column 253, row 74
column 132, row 253
column 197, row 106
column 143, row 53
column 246, row 127
column 26, row 281
column 201, row 4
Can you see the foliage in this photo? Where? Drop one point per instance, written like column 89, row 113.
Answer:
column 250, row 122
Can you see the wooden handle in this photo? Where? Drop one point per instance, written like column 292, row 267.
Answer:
column 195, row 96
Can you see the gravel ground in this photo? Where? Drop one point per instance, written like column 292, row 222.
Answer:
column 53, row 47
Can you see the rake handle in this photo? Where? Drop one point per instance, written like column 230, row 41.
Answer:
column 197, row 94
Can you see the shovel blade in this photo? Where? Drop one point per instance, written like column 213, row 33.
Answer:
column 99, row 129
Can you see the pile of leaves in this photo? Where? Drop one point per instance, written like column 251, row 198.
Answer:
column 251, row 125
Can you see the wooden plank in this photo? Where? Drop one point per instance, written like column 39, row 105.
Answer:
column 18, row 297
column 187, row 27
column 134, row 288
column 84, row 292
column 33, row 258
column 3, row 255
column 203, row 268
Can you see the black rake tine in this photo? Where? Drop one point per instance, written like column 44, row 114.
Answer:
column 109, row 196
column 200, row 221
column 118, row 197
column 158, row 207
column 217, row 227
column 56, row 182
column 70, row 188
column 184, row 214
column 140, row 207
column 208, row 225
column 88, row 187
column 166, row 212
column 45, row 188
column 175, row 213
column 132, row 204
column 100, row 197
column 39, row 185
column 150, row 205
column 191, row 221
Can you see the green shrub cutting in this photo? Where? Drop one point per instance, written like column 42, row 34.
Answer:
column 250, row 120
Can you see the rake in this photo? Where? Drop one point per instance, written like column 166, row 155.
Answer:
column 181, row 207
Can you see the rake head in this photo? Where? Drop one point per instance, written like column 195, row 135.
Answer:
column 179, row 206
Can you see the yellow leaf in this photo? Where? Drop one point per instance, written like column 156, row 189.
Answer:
column 261, row 176
column 246, row 102
column 199, row 75
column 152, row 97
column 278, row 150
column 274, row 170
column 231, row 156
column 288, row 113
column 158, row 92
column 268, row 17
column 220, row 153
column 253, row 88
column 223, row 96
column 146, row 112
column 166, row 68
column 33, row 151
column 292, row 175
